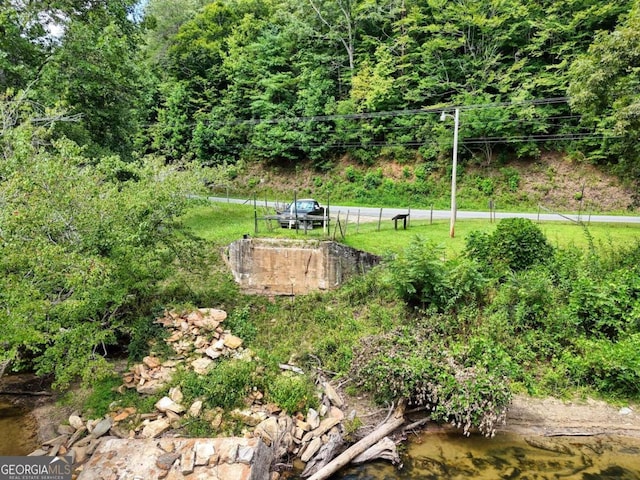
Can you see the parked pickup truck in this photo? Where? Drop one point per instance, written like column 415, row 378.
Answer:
column 305, row 213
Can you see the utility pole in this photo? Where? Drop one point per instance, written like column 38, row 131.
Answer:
column 456, row 125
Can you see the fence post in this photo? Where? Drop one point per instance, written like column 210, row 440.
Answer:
column 335, row 229
column 358, row 223
column 379, row 219
column 346, row 224
column 326, row 229
column 255, row 214
column 431, row 215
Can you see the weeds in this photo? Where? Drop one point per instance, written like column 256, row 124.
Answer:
column 293, row 393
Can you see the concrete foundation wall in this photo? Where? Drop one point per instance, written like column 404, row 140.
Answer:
column 293, row 267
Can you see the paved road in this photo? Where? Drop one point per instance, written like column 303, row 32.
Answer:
column 421, row 214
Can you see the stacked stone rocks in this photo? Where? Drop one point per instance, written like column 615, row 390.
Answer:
column 180, row 459
column 79, row 439
column 198, row 340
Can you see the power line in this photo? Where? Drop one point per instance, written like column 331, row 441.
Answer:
column 382, row 130
column 390, row 113
column 416, row 143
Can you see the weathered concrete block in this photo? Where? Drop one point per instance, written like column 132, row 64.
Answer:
column 291, row 267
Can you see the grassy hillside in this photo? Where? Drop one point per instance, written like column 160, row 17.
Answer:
column 554, row 181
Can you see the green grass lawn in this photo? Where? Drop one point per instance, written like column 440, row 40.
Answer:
column 223, row 223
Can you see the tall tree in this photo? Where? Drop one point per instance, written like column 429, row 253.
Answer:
column 163, row 19
column 22, row 51
column 83, row 250
column 95, row 72
column 340, row 22
column 605, row 88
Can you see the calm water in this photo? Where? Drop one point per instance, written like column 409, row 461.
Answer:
column 451, row 456
column 17, row 431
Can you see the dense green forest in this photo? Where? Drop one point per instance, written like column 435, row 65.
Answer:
column 111, row 112
column 287, row 81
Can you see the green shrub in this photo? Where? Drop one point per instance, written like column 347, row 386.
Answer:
column 419, row 274
column 240, row 324
column 611, row 368
column 293, row 393
column 511, row 177
column 528, row 298
column 336, row 354
column 422, row 171
column 145, row 333
column 608, row 306
column 351, row 174
column 485, row 185
column 372, row 180
column 225, row 385
column 103, row 395
column 424, row 279
column 515, row 244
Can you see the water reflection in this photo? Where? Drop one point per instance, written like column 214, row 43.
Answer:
column 17, row 432
column 451, row 456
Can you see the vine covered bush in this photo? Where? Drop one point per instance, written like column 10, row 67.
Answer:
column 414, row 365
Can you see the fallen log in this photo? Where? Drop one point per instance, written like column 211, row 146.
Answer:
column 416, row 424
column 26, row 393
column 385, row 449
column 356, row 449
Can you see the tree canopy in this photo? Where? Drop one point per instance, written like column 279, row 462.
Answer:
column 284, row 80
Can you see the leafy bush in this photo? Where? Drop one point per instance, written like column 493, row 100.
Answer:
column 144, row 333
column 103, row 395
column 83, row 254
column 516, row 244
column 529, row 298
column 239, row 322
column 225, row 385
column 372, row 179
column 424, row 279
column 612, row 368
column 609, row 306
column 351, row 174
column 485, row 185
column 512, row 178
column 419, row 274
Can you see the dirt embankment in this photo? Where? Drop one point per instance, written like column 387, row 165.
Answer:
column 551, row 416
column 553, row 181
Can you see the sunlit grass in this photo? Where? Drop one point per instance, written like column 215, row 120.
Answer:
column 223, row 223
